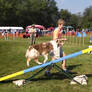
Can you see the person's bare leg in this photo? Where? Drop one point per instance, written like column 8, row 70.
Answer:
column 64, row 62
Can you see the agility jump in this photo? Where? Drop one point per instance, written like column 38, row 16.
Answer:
column 46, row 64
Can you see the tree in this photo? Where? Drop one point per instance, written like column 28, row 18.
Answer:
column 87, row 18
column 64, row 14
column 8, row 11
column 74, row 20
column 27, row 12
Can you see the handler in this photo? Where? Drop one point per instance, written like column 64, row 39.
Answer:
column 61, row 53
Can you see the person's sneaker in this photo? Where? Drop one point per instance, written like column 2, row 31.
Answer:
column 47, row 73
column 66, row 71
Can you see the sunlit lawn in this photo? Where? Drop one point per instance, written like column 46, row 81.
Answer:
column 12, row 59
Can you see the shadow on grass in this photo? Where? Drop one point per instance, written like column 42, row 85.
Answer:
column 71, row 67
column 8, row 81
column 54, row 76
column 88, row 75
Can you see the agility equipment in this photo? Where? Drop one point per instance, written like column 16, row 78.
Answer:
column 46, row 64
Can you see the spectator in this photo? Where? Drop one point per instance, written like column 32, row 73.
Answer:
column 32, row 32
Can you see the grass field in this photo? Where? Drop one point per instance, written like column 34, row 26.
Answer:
column 12, row 59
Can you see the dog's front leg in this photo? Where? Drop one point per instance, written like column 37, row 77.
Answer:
column 36, row 60
column 28, row 60
column 46, row 58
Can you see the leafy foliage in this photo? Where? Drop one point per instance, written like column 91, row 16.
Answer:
column 44, row 12
column 26, row 12
column 87, row 18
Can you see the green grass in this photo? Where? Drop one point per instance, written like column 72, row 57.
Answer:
column 12, row 59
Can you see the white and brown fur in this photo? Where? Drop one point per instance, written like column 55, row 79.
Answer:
column 44, row 49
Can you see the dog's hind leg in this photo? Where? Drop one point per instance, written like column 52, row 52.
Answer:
column 46, row 58
column 28, row 60
column 36, row 60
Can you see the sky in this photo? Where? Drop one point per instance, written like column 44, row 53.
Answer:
column 74, row 6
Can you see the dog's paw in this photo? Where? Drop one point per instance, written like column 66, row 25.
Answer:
column 39, row 63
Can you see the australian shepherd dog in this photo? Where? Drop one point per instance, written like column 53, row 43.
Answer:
column 44, row 49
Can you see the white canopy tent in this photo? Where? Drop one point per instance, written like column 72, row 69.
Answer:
column 7, row 28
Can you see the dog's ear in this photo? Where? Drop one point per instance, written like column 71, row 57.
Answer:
column 56, row 40
column 59, row 42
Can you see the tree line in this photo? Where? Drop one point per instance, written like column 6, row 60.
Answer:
column 43, row 12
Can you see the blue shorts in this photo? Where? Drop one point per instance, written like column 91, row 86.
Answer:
column 61, row 52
